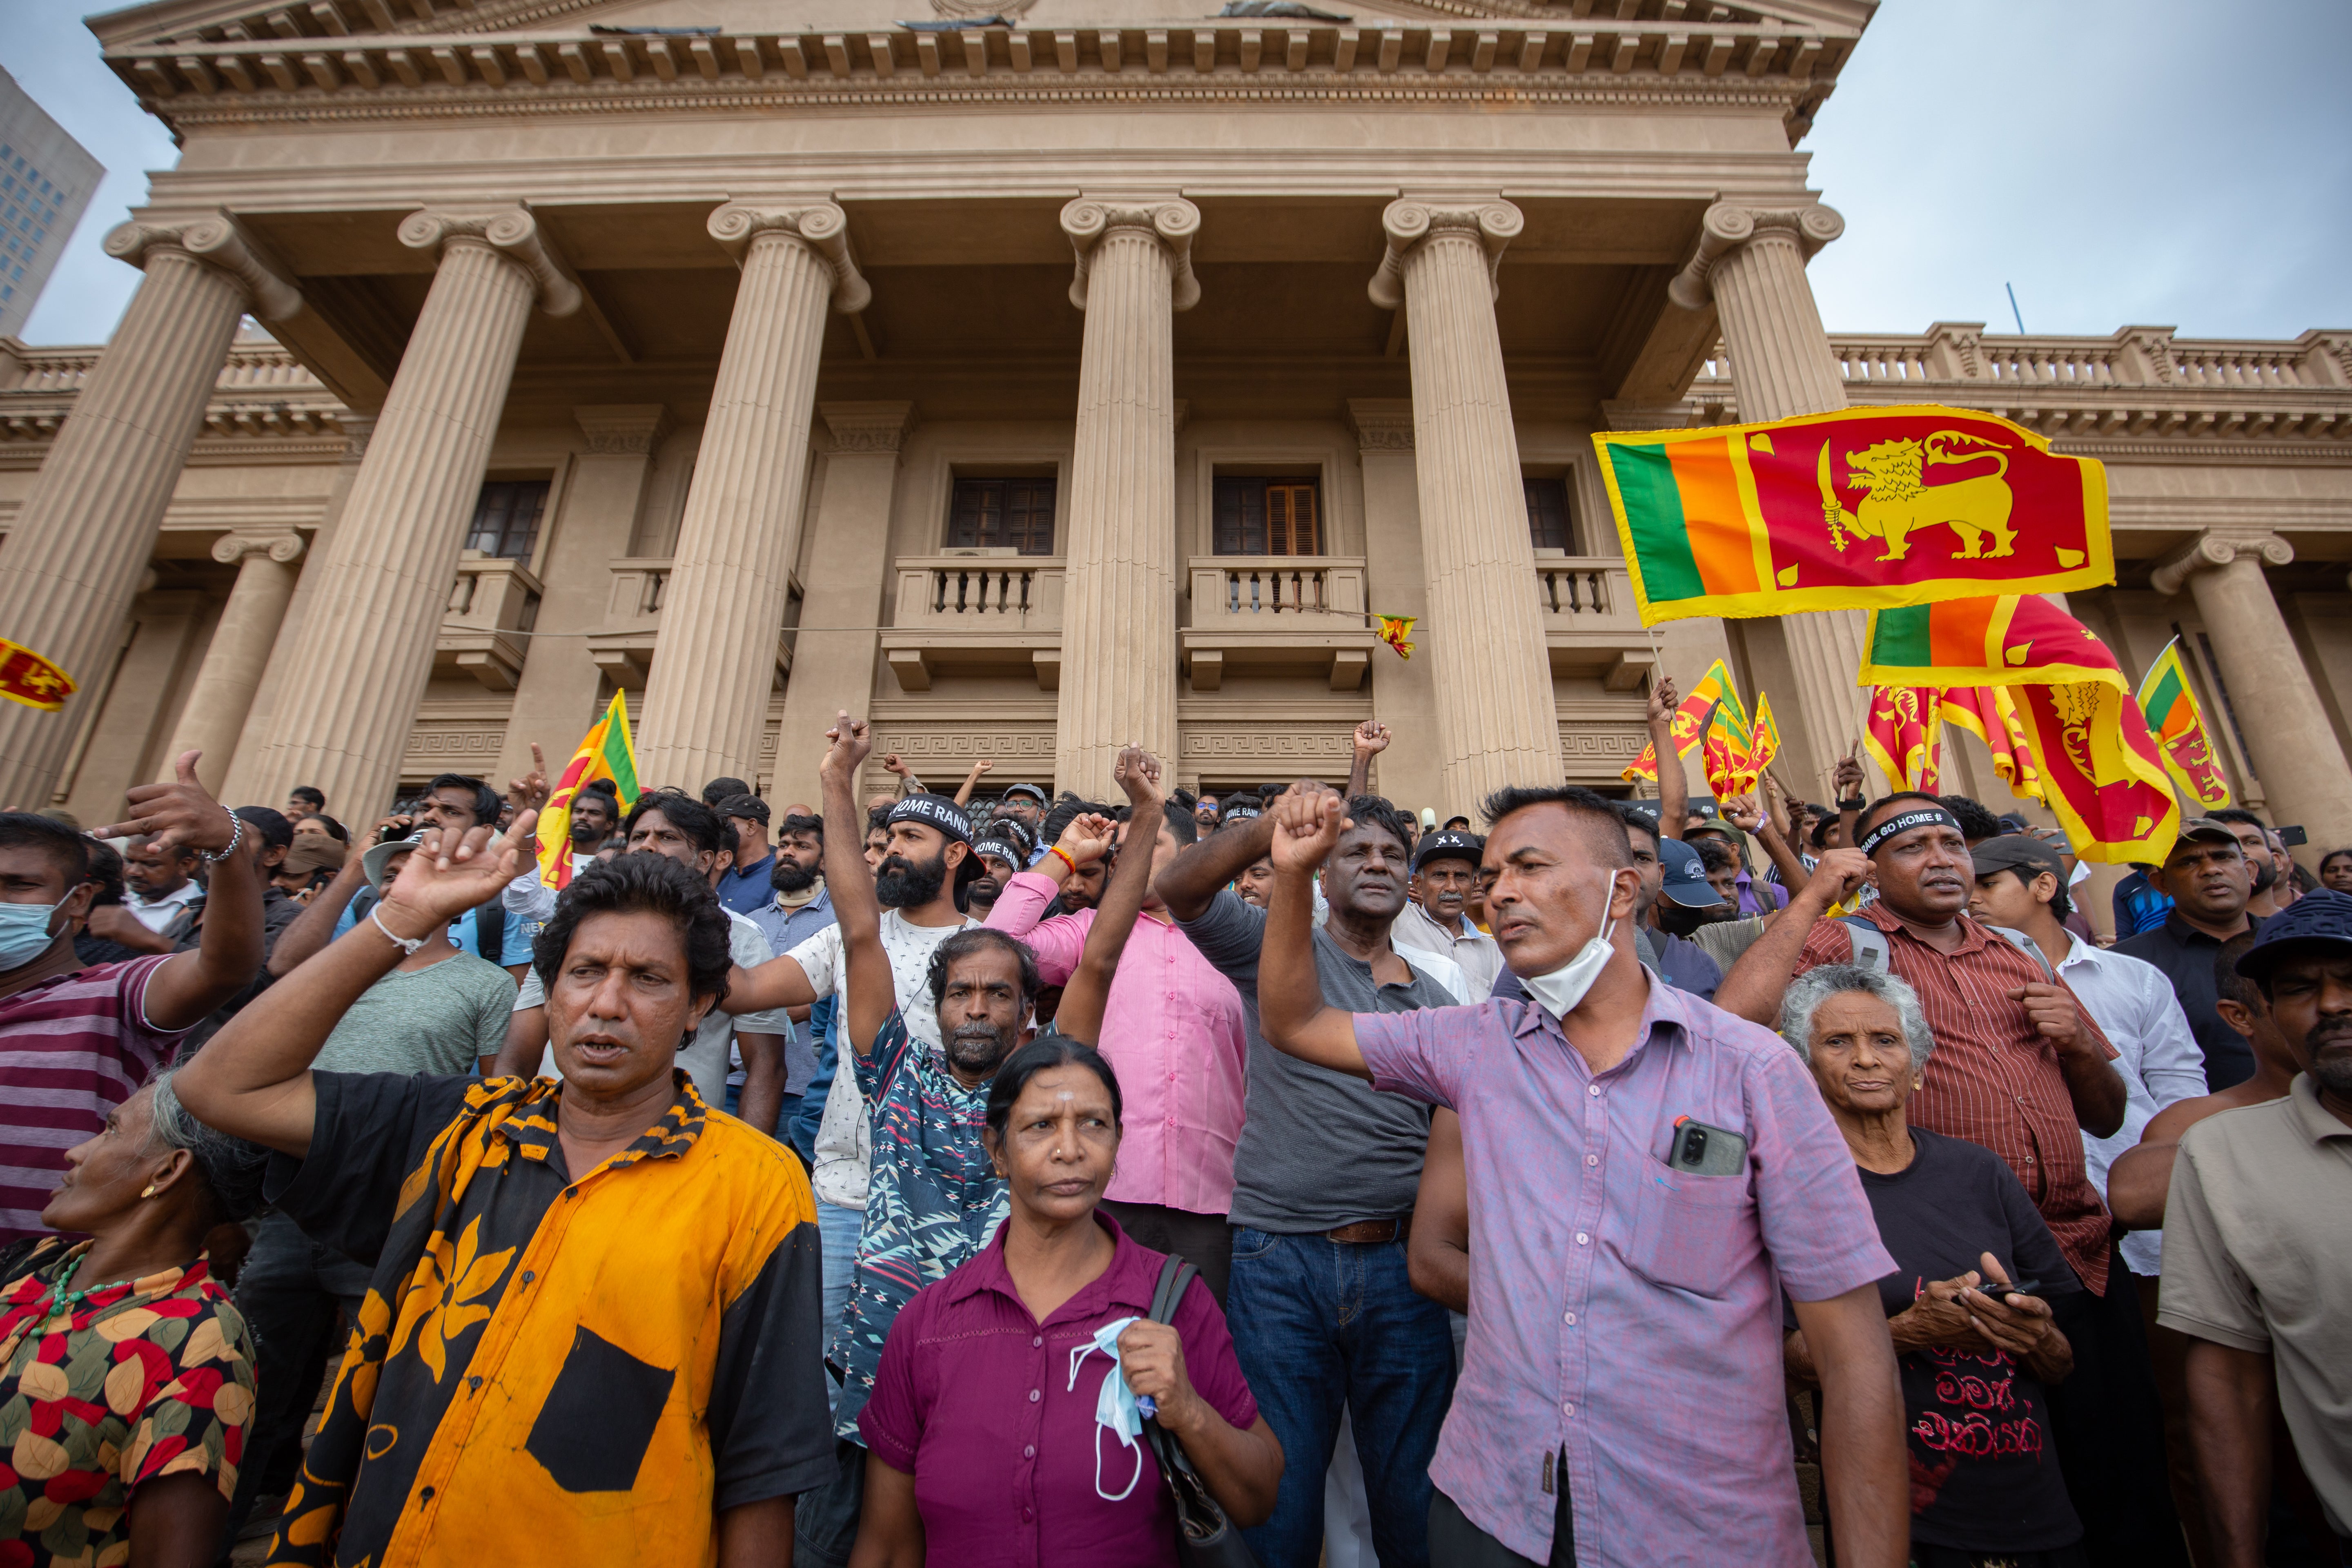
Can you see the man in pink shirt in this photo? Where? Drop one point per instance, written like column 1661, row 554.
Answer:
column 1172, row 1029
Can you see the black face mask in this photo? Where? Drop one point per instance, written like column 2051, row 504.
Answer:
column 901, row 884
column 1675, row 920
column 788, row 876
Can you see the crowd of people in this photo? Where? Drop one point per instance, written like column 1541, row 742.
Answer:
column 1288, row 1176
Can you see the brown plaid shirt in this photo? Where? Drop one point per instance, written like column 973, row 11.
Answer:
column 1993, row 1080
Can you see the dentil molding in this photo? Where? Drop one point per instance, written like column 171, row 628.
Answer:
column 823, row 226
column 1173, row 221
column 216, row 241
column 867, row 427
column 513, row 234
column 1382, row 424
column 1494, row 224
column 1727, row 226
column 2216, row 548
column 625, row 429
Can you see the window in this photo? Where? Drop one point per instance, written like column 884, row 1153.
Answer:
column 1267, row 517
column 506, row 520
column 1548, row 513
column 1003, row 515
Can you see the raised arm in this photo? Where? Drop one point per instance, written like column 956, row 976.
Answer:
column 1756, row 983
column 1292, row 1013
column 252, row 1081
column 189, row 985
column 1742, row 811
column 1370, row 739
column 1188, row 883
column 1673, row 786
column 873, row 995
column 972, row 781
column 1082, row 1000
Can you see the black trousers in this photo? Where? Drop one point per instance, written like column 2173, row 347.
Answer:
column 825, row 1521
column 300, row 1300
column 2107, row 1424
column 1204, row 1240
column 1455, row 1542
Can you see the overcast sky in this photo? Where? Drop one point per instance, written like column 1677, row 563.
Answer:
column 2166, row 162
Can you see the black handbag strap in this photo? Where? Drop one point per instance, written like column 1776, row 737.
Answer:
column 1175, row 1277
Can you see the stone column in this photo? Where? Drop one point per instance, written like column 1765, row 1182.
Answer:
column 849, row 576
column 365, row 648
column 213, row 716
column 1119, row 603
column 707, row 697
column 1497, row 721
column 1751, row 263
column 2279, row 715
column 83, row 536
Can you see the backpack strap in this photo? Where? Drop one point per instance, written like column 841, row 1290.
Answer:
column 1871, row 951
column 2032, row 949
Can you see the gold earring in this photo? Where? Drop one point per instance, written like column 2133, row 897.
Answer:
column 150, row 1191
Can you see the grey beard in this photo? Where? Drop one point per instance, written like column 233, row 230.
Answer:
column 978, row 1049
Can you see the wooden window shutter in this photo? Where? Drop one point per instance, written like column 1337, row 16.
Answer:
column 1290, row 520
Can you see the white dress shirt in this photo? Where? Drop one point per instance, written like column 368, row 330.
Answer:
column 2161, row 1065
column 1468, row 949
column 155, row 916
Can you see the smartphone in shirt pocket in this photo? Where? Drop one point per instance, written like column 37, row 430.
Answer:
column 1694, row 1225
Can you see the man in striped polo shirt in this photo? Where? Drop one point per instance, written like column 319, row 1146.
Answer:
column 76, row 1042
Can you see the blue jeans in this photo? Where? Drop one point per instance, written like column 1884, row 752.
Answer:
column 838, row 1229
column 1318, row 1324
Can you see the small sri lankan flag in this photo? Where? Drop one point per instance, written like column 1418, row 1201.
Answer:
column 2103, row 773
column 1690, row 721
column 606, row 752
column 27, row 677
column 1394, row 630
column 1862, row 509
column 2170, row 709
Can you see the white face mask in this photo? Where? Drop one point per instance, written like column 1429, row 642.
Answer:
column 1558, row 992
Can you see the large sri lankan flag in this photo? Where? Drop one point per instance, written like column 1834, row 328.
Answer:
column 2101, row 772
column 605, row 752
column 2170, row 707
column 1865, row 508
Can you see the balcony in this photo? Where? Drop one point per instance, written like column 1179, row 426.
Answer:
column 976, row 611
column 486, row 630
column 1589, row 624
column 1279, row 611
column 623, row 647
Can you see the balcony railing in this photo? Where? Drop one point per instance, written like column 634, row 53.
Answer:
column 622, row 645
column 966, row 611
column 1303, row 611
column 1590, row 623
column 1280, row 586
column 486, row 629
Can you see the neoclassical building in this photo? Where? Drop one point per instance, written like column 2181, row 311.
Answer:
column 1032, row 378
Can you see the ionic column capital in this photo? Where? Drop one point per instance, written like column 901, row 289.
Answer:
column 867, row 427
column 1728, row 226
column 1494, row 224
column 283, row 548
column 1173, row 221
column 513, row 234
column 2216, row 548
column 216, row 240
column 823, row 226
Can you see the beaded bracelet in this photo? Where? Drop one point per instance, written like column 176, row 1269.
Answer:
column 1065, row 853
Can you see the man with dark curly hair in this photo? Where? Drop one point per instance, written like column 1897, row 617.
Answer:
column 669, row 1419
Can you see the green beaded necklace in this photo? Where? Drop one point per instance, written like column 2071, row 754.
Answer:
column 63, row 1303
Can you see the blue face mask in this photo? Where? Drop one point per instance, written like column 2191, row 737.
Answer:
column 25, row 932
column 1116, row 1410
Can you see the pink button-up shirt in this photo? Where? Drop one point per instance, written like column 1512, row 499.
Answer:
column 1172, row 1032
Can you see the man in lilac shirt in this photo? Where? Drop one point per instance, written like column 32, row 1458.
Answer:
column 1621, row 1403
column 1173, row 1033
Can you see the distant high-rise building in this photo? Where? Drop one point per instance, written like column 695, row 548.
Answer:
column 46, row 178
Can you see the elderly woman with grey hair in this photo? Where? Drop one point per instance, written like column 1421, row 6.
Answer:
column 1985, row 1482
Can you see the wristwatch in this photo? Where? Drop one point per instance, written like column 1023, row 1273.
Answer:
column 1854, row 805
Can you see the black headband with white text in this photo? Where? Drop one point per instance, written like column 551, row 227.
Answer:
column 935, row 811
column 1903, row 822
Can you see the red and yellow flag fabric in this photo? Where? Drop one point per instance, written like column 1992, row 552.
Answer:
column 1904, row 734
column 606, row 752
column 2170, row 709
column 1865, row 508
column 1764, row 741
column 1394, row 630
column 2103, row 772
column 1689, row 721
column 1990, row 714
column 27, row 677
column 1726, row 754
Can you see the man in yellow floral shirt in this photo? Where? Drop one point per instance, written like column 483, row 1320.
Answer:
column 592, row 1333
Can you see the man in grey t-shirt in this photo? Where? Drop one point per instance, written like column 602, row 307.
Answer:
column 1320, row 1306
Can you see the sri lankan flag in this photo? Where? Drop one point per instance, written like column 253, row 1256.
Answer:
column 1690, row 721
column 2170, row 709
column 605, row 752
column 2101, row 772
column 1764, row 741
column 1727, row 753
column 1394, row 630
column 1904, row 736
column 1863, row 508
column 1990, row 714
column 27, row 677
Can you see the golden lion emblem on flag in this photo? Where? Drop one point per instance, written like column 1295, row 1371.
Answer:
column 1900, row 501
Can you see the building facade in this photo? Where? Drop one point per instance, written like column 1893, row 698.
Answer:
column 1033, row 379
column 46, row 178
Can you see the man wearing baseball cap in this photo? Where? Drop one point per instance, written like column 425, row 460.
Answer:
column 1435, row 918
column 2258, row 1256
column 1026, row 803
column 2207, row 876
column 745, row 886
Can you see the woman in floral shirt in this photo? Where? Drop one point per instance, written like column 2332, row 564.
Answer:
column 126, row 1377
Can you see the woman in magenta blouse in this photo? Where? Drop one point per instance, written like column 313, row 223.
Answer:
column 984, row 1451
